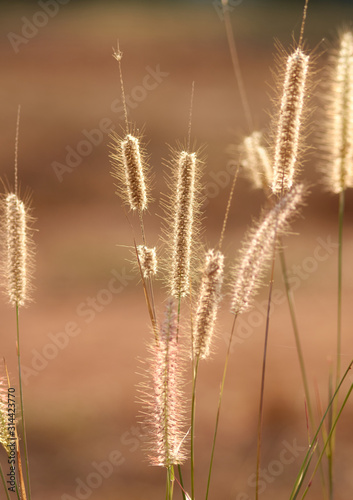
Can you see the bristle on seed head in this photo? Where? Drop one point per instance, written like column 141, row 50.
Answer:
column 207, row 306
column 289, row 122
column 258, row 248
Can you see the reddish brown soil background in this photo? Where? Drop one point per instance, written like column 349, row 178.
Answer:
column 80, row 405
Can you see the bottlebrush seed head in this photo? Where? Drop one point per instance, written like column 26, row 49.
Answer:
column 163, row 401
column 129, row 167
column 256, row 161
column 289, row 123
column 258, row 248
column 339, row 119
column 183, row 220
column 148, row 260
column 17, row 248
column 209, row 298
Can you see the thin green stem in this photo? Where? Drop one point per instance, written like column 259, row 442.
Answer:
column 339, row 292
column 262, row 391
column 167, row 490
column 4, row 483
column 170, row 483
column 181, row 482
column 236, row 67
column 339, row 329
column 192, row 448
column 296, row 336
column 290, row 301
column 24, row 436
column 219, row 407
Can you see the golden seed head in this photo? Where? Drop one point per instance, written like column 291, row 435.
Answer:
column 209, row 298
column 17, row 250
column 258, row 249
column 129, row 167
column 289, row 124
column 148, row 260
column 183, row 214
column 256, row 161
column 339, row 119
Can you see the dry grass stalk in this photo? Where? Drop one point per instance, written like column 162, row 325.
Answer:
column 289, row 124
column 209, row 297
column 258, row 248
column 339, row 121
column 163, row 399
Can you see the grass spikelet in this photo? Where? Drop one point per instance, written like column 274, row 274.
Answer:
column 289, row 122
column 256, row 161
column 148, row 260
column 183, row 214
column 17, row 249
column 130, row 169
column 258, row 247
column 209, row 297
column 163, row 401
column 339, row 120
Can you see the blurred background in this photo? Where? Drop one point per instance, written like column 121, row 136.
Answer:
column 81, row 343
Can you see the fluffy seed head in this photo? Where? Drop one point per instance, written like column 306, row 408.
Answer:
column 148, row 260
column 209, row 297
column 256, row 161
column 17, row 250
column 339, row 120
column 258, row 247
column 129, row 167
column 183, row 212
column 163, row 399
column 289, row 121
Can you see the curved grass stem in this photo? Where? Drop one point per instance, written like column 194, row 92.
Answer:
column 262, row 391
column 4, row 483
column 304, row 467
